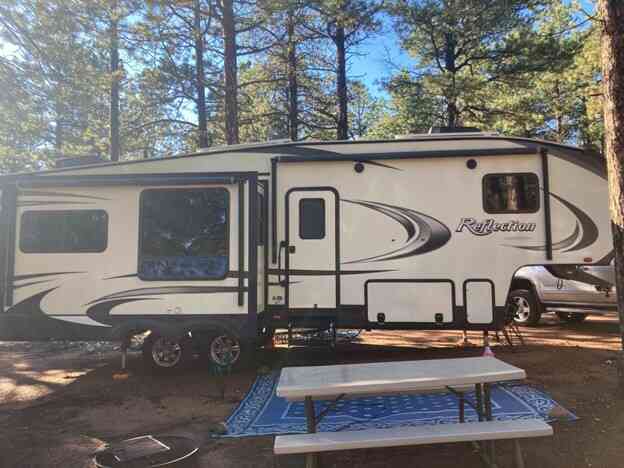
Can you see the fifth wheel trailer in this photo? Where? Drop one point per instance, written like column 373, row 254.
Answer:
column 225, row 245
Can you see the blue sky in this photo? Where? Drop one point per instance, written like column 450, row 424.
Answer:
column 371, row 65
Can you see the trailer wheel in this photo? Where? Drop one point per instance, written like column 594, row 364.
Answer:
column 225, row 349
column 571, row 318
column 166, row 354
column 528, row 309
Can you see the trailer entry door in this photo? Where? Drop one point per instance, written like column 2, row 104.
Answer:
column 312, row 265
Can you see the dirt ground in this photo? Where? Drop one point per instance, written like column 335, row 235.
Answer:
column 59, row 403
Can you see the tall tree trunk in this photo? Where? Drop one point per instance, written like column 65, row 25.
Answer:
column 202, row 123
column 342, row 132
column 612, row 13
column 449, row 65
column 230, row 72
column 114, row 89
column 59, row 136
column 293, row 101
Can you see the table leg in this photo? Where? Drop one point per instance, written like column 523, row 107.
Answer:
column 487, row 397
column 479, row 397
column 311, row 458
column 462, row 406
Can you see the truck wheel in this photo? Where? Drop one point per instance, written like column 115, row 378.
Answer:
column 528, row 309
column 571, row 318
column 164, row 354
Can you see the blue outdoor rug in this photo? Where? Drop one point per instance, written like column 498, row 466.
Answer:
column 264, row 413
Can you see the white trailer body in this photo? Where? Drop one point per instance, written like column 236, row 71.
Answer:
column 421, row 233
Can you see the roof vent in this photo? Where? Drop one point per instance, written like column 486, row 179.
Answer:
column 78, row 161
column 433, row 130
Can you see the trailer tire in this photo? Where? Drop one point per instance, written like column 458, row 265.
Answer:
column 571, row 318
column 528, row 309
column 164, row 354
column 225, row 349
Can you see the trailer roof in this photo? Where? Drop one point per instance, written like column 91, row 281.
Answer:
column 412, row 146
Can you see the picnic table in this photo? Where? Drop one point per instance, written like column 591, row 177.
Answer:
column 345, row 380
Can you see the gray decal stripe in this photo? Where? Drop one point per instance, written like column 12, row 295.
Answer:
column 562, row 244
column 587, row 225
column 158, row 291
column 431, row 233
column 37, row 193
column 590, row 230
column 399, row 218
column 101, row 312
column 32, row 283
column 41, row 275
column 229, row 274
column 274, row 271
column 51, row 202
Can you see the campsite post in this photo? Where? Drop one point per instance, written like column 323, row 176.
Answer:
column 612, row 15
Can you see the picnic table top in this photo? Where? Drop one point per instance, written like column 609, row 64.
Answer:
column 297, row 383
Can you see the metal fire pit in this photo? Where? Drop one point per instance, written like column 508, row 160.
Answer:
column 149, row 451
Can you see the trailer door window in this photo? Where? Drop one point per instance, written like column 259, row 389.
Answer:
column 511, row 193
column 312, row 218
column 67, row 231
column 184, row 234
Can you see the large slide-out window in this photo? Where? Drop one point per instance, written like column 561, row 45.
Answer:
column 511, row 193
column 184, row 234
column 67, row 231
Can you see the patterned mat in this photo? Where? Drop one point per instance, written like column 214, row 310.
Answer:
column 264, row 413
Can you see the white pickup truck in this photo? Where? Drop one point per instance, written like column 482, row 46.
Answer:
column 572, row 292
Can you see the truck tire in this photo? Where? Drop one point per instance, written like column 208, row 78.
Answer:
column 528, row 308
column 165, row 354
column 571, row 318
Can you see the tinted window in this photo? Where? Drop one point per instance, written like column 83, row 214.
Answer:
column 311, row 218
column 184, row 234
column 511, row 193
column 76, row 231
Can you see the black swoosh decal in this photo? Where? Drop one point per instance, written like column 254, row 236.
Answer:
column 31, row 283
column 375, row 163
column 229, row 274
column 101, row 312
column 424, row 234
column 158, row 291
column 590, row 230
column 41, row 275
column 573, row 242
column 409, row 227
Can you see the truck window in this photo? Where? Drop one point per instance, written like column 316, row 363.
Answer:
column 184, row 234
column 511, row 193
column 67, row 231
column 312, row 218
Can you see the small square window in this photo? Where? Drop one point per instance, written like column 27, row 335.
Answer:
column 312, row 218
column 511, row 193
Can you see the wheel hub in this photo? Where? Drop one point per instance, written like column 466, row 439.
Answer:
column 225, row 350
column 166, row 352
column 523, row 309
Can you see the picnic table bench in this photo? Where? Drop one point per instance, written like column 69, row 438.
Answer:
column 455, row 375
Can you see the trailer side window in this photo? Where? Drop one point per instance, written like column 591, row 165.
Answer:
column 184, row 234
column 67, row 231
column 511, row 193
column 312, row 218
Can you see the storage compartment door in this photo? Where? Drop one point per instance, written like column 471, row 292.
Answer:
column 479, row 301
column 410, row 301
